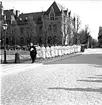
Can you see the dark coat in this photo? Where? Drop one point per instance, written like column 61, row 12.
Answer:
column 34, row 51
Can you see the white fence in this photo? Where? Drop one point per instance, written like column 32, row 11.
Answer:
column 55, row 51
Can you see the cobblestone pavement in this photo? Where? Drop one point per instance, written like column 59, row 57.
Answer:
column 53, row 84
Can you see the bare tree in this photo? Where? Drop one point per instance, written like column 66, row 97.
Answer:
column 85, row 37
column 31, row 28
column 78, row 24
column 100, row 37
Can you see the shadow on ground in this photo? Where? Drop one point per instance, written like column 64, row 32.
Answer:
column 82, row 59
column 96, row 78
column 99, row 81
column 77, row 89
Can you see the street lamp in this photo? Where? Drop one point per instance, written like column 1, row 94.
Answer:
column 5, row 28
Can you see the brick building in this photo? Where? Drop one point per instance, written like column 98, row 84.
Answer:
column 54, row 26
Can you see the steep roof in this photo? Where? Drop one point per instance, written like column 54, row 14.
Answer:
column 60, row 6
column 57, row 7
column 35, row 15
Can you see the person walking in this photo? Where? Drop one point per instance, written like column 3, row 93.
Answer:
column 33, row 52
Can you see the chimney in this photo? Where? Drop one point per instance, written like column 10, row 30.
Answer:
column 17, row 13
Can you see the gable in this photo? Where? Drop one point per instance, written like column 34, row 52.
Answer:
column 57, row 8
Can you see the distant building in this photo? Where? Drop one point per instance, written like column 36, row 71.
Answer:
column 9, row 16
column 1, row 12
column 54, row 26
column 100, row 37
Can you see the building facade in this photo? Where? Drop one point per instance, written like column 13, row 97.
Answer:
column 1, row 10
column 52, row 27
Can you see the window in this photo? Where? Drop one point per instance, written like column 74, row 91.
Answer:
column 7, row 40
column 54, row 28
column 50, row 28
column 49, row 40
column 64, row 18
column 40, row 40
column 35, row 40
column 54, row 39
column 16, row 41
column 21, row 40
column 40, row 28
column 56, row 18
column 52, row 16
column 13, row 40
column 28, row 40
column 21, row 29
column 10, row 39
column 39, row 18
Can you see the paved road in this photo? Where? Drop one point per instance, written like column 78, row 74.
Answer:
column 90, row 56
column 71, row 81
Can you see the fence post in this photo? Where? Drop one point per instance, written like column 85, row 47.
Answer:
column 17, row 58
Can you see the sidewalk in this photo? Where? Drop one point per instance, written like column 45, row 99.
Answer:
column 16, row 68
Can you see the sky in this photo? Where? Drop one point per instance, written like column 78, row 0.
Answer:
column 89, row 11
